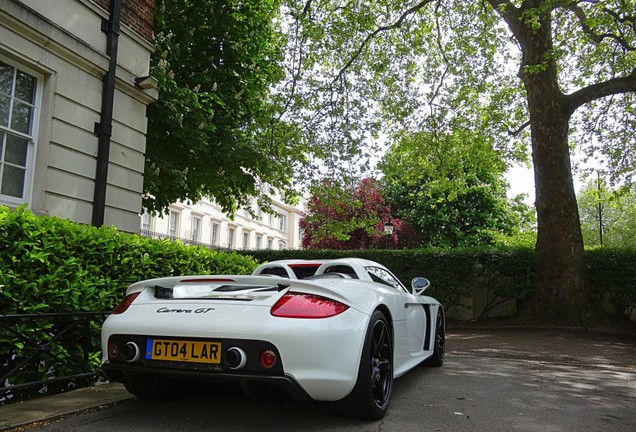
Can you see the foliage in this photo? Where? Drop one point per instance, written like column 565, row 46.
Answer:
column 215, row 130
column 499, row 274
column 613, row 277
column 502, row 274
column 370, row 68
column 451, row 187
column 49, row 265
column 341, row 216
column 617, row 213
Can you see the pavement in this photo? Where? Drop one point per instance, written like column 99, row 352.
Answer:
column 550, row 345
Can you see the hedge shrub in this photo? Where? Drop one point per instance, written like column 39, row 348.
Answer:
column 505, row 273
column 456, row 274
column 613, row 277
column 49, row 265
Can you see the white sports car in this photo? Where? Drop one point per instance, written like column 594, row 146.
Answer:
column 342, row 335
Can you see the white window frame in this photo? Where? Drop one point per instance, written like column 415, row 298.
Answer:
column 32, row 138
column 195, row 228
column 146, row 222
column 215, row 228
column 282, row 222
column 231, row 234
column 246, row 240
column 173, row 231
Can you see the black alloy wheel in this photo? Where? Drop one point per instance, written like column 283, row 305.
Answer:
column 439, row 343
column 381, row 364
column 371, row 394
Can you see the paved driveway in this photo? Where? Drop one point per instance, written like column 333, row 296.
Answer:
column 492, row 381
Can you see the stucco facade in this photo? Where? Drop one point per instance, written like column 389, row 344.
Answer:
column 53, row 58
column 205, row 223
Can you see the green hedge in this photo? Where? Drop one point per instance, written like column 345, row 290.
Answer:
column 613, row 277
column 49, row 265
column 456, row 274
column 498, row 275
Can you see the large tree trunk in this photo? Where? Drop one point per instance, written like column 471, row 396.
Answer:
column 563, row 294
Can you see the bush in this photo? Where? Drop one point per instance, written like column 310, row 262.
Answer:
column 456, row 274
column 505, row 273
column 613, row 277
column 49, row 265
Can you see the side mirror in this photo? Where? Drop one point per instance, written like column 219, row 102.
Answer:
column 419, row 285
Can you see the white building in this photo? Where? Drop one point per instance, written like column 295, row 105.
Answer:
column 55, row 59
column 204, row 223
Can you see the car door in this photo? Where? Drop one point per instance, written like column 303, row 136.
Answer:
column 415, row 315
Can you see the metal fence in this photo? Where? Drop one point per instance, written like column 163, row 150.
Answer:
column 156, row 235
column 48, row 353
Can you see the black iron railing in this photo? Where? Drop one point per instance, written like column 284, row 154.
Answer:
column 156, row 235
column 48, row 353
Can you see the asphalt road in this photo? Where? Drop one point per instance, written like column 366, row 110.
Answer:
column 474, row 391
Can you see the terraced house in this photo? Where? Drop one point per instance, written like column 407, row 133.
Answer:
column 74, row 88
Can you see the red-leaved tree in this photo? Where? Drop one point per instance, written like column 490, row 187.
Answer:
column 352, row 217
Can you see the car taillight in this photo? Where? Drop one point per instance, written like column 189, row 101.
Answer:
column 296, row 305
column 125, row 304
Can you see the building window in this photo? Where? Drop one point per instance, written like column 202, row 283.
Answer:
column 230, row 237
column 246, row 240
column 195, row 229
column 146, row 220
column 214, row 234
column 269, row 243
column 173, row 228
column 259, row 242
column 17, row 137
column 282, row 245
column 282, row 222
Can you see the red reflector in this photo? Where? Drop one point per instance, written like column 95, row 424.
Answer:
column 268, row 359
column 125, row 304
column 113, row 351
column 295, row 305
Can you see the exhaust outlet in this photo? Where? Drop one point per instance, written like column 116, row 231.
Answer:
column 235, row 358
column 130, row 352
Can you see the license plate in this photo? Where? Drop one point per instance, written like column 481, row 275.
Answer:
column 184, row 351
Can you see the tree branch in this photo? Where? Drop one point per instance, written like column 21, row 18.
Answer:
column 600, row 90
column 599, row 37
column 370, row 36
column 520, row 129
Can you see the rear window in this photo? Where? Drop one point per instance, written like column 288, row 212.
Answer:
column 275, row 271
column 344, row 269
column 304, row 271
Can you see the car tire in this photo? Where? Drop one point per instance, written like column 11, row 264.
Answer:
column 371, row 394
column 439, row 343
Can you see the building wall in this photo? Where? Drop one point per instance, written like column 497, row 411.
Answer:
column 263, row 231
column 64, row 48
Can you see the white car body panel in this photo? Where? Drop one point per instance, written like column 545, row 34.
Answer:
column 321, row 355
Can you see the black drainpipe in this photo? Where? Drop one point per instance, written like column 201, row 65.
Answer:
column 104, row 128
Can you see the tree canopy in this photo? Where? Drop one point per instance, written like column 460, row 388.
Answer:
column 215, row 130
column 451, row 187
column 537, row 76
column 608, row 215
column 542, row 75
